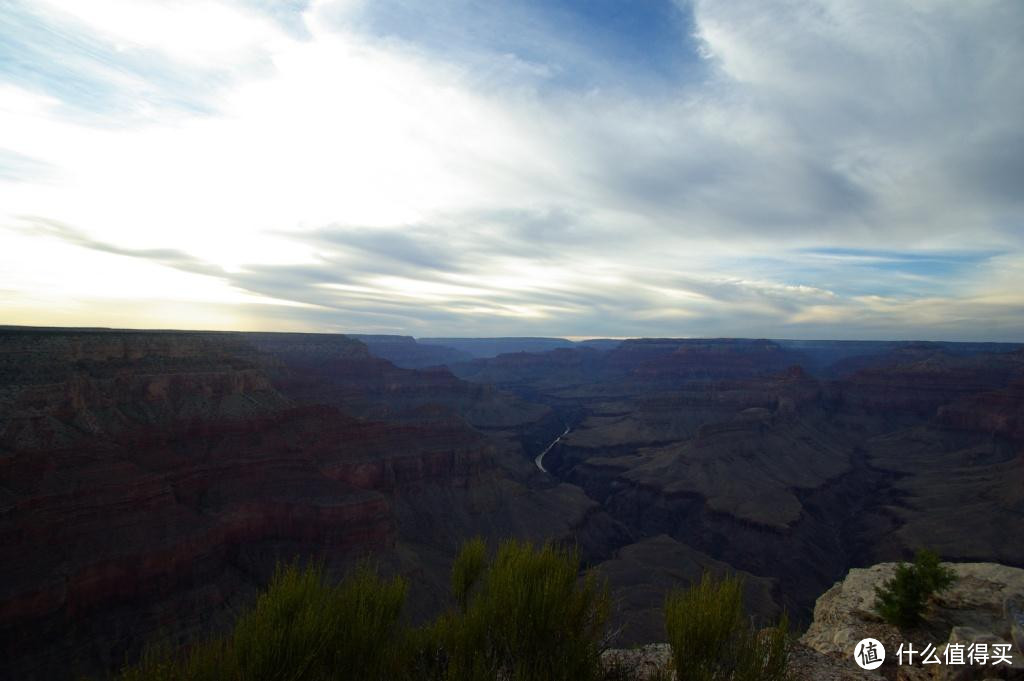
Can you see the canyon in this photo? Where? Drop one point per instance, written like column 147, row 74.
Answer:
column 150, row 481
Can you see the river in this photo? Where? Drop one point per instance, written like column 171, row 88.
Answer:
column 540, row 457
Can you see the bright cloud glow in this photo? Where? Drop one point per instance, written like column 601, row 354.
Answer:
column 194, row 32
column 822, row 169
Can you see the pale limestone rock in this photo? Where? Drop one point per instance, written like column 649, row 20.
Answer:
column 967, row 636
column 982, row 605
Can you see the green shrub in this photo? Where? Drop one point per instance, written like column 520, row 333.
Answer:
column 157, row 663
column 469, row 564
column 288, row 634
column 369, row 636
column 763, row 655
column 902, row 599
column 931, row 572
column 525, row 616
column 530, row 617
column 301, row 629
column 712, row 640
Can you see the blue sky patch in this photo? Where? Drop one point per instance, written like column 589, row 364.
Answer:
column 582, row 43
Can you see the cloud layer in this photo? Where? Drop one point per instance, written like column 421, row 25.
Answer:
column 825, row 169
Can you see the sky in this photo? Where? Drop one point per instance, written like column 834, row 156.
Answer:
column 584, row 168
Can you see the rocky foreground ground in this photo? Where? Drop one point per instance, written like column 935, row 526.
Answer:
column 984, row 606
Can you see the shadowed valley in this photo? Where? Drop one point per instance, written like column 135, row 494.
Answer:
column 151, row 481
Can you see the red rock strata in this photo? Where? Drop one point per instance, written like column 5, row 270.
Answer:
column 139, row 467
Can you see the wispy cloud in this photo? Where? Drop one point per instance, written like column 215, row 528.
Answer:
column 164, row 256
column 839, row 169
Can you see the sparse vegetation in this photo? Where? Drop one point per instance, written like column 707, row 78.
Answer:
column 524, row 616
column 901, row 601
column 712, row 640
column 469, row 564
column 527, row 615
column 300, row 629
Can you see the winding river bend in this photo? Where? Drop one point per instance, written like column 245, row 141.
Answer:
column 540, row 457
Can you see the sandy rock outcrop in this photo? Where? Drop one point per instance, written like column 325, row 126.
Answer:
column 982, row 606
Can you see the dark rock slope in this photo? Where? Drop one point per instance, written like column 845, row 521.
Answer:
column 733, row 450
column 405, row 352
column 150, row 481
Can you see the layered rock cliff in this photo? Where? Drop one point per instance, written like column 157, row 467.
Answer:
column 150, row 481
column 137, row 470
column 729, row 450
column 407, row 353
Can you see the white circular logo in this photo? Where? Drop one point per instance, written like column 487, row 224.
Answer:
column 869, row 654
